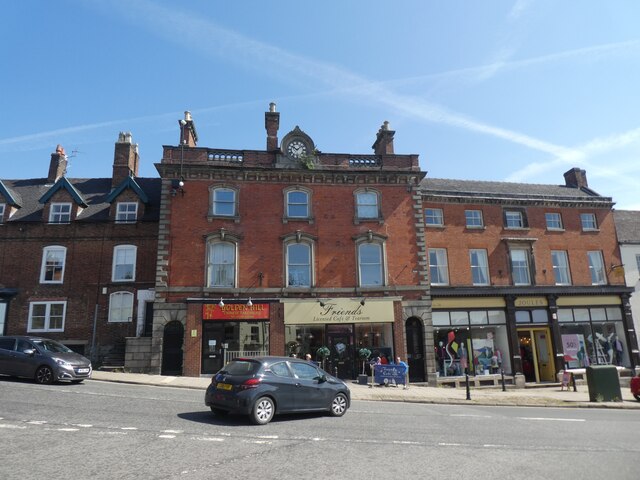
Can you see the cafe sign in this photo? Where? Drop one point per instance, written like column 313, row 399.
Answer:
column 338, row 310
column 235, row 311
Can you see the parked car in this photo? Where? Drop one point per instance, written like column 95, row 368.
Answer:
column 635, row 387
column 44, row 360
column 264, row 386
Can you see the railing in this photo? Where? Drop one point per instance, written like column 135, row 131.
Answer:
column 233, row 354
column 230, row 156
column 364, row 161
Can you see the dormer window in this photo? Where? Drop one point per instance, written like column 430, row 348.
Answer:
column 127, row 212
column 60, row 213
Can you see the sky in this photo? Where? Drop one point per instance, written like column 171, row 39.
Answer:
column 496, row 90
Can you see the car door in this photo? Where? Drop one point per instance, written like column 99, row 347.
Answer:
column 282, row 385
column 311, row 392
column 24, row 364
column 7, row 352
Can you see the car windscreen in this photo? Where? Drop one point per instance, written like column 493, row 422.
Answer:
column 241, row 367
column 51, row 346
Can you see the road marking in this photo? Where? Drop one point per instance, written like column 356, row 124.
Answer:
column 399, row 442
column 111, row 433
column 259, row 442
column 166, row 436
column 554, row 419
column 171, row 431
column 4, row 425
column 67, row 429
column 37, row 422
column 272, row 437
column 469, row 415
column 449, row 444
column 492, row 445
column 209, row 439
column 128, row 428
column 81, row 425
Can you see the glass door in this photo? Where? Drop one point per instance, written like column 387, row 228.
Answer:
column 341, row 357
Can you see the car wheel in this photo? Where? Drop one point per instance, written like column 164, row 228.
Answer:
column 338, row 405
column 219, row 412
column 44, row 375
column 637, row 397
column 263, row 411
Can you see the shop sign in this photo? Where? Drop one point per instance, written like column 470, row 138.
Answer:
column 338, row 310
column 531, row 302
column 235, row 311
column 389, row 374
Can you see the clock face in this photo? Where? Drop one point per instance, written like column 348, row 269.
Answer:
column 296, row 149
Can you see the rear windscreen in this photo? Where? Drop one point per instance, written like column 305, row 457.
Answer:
column 240, row 367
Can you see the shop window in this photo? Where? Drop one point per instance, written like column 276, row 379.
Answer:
column 53, row 263
column 554, row 221
column 479, row 266
column 124, row 263
column 433, row 217
column 438, row 268
column 303, row 339
column 60, row 213
column 596, row 268
column 121, row 307
column 221, row 264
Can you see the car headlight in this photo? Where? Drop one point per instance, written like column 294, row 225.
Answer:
column 62, row 363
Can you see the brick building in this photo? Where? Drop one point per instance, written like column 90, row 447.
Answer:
column 628, row 231
column 525, row 278
column 77, row 256
column 286, row 250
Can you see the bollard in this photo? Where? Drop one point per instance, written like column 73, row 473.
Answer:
column 336, row 372
column 504, row 388
column 573, row 381
column 466, row 380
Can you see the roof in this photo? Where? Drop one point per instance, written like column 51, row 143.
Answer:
column 94, row 192
column 509, row 191
column 627, row 225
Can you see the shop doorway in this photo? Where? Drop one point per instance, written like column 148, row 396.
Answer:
column 341, row 357
column 536, row 354
column 213, row 339
column 172, row 348
column 415, row 349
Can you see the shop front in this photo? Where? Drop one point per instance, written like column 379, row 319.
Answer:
column 343, row 326
column 233, row 330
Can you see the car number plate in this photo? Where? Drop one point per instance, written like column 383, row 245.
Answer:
column 83, row 370
column 224, row 386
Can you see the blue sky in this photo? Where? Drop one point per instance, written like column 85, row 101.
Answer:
column 507, row 90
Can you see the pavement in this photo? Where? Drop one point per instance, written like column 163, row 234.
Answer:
column 540, row 396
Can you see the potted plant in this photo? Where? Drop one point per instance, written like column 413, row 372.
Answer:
column 322, row 353
column 364, row 354
column 292, row 348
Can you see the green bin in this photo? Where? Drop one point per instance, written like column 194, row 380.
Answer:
column 604, row 384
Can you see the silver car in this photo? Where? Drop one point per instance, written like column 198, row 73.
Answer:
column 44, row 360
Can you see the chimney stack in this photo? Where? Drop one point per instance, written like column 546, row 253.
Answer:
column 272, row 124
column 58, row 165
column 576, row 178
column 384, row 140
column 188, row 134
column 125, row 159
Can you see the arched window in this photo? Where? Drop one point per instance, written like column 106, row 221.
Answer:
column 224, row 202
column 297, row 203
column 221, row 264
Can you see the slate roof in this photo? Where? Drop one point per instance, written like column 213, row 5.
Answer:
column 94, row 191
column 627, row 225
column 476, row 189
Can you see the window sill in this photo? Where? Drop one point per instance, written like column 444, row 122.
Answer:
column 556, row 230
column 481, row 229
column 309, row 220
column 590, row 230
column 358, row 221
column 522, row 229
column 233, row 218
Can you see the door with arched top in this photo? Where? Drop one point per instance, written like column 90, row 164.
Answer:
column 415, row 349
column 172, row 348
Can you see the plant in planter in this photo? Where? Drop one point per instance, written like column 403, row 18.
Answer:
column 322, row 353
column 364, row 354
column 292, row 348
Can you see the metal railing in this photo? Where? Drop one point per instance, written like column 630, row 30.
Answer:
column 233, row 354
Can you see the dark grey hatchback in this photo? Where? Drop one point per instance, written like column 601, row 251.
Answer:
column 264, row 386
column 44, row 360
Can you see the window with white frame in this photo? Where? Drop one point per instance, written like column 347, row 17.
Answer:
column 53, row 262
column 370, row 264
column 588, row 221
column 560, row 262
column 124, row 263
column 60, row 213
column 520, row 270
column 479, row 266
column 46, row 316
column 121, row 307
column 221, row 264
column 473, row 218
column 298, row 264
column 224, row 202
column 596, row 268
column 127, row 212
column 297, row 204
column 2, row 208
column 433, row 217
column 554, row 221
column 438, row 267
column 514, row 219
column 367, row 205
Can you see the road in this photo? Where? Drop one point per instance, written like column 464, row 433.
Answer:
column 105, row 430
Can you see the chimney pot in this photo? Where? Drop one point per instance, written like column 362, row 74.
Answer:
column 187, row 116
column 272, row 107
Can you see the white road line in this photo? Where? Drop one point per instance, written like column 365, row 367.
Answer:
column 67, row 429
column 399, row 442
column 37, row 422
column 4, row 425
column 554, row 419
column 81, row 425
column 128, row 428
column 209, row 439
column 259, row 442
column 171, row 431
column 469, row 415
column 272, row 437
column 166, row 436
column 449, row 444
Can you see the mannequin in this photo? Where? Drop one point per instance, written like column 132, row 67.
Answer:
column 462, row 354
column 440, row 357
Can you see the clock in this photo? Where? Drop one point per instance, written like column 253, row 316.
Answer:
column 296, row 149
